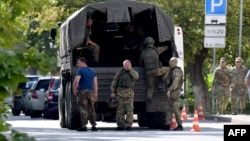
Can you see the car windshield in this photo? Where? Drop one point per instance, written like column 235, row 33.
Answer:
column 35, row 78
column 25, row 85
column 56, row 84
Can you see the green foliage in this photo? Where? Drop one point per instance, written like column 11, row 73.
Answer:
column 17, row 136
column 3, row 116
column 17, row 53
column 190, row 99
column 209, row 80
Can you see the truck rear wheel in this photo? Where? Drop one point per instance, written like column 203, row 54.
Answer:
column 156, row 120
column 142, row 119
column 61, row 105
column 72, row 113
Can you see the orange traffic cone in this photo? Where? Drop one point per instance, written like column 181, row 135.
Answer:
column 183, row 113
column 173, row 123
column 195, row 127
column 200, row 112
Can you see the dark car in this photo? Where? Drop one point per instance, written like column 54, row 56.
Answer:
column 51, row 99
column 18, row 96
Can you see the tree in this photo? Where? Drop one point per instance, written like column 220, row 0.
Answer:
column 189, row 14
column 16, row 54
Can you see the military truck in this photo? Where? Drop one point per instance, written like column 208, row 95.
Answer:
column 119, row 28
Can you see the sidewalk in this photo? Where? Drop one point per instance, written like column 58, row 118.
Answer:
column 234, row 119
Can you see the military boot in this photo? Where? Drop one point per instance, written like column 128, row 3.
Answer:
column 178, row 128
column 166, row 127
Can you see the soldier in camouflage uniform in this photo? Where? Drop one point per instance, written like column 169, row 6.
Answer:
column 238, row 87
column 174, row 83
column 150, row 59
column 221, row 86
column 93, row 47
column 122, row 87
column 247, row 82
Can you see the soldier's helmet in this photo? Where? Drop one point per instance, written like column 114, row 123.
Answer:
column 173, row 62
column 149, row 41
column 112, row 102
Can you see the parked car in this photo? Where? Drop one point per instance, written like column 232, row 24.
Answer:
column 51, row 99
column 36, row 100
column 16, row 101
column 27, row 99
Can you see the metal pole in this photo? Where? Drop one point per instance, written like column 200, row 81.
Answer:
column 214, row 60
column 240, row 27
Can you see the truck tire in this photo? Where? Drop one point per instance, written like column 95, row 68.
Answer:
column 72, row 113
column 142, row 119
column 109, row 117
column 61, row 104
column 156, row 120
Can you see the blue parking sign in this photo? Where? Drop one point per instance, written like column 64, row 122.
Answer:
column 216, row 7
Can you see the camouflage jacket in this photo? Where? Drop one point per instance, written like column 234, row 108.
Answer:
column 150, row 57
column 175, row 79
column 125, row 79
column 238, row 76
column 222, row 77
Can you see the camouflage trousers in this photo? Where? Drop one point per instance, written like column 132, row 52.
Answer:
column 248, row 93
column 173, row 105
column 125, row 111
column 151, row 79
column 95, row 49
column 86, row 103
column 222, row 95
column 238, row 94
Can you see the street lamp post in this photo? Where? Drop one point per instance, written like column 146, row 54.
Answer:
column 240, row 28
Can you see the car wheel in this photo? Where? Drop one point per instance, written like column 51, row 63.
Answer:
column 34, row 114
column 16, row 112
column 17, row 106
column 45, row 113
column 26, row 113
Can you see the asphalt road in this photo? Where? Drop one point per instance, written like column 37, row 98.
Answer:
column 44, row 130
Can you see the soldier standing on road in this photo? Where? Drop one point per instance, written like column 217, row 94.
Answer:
column 247, row 82
column 221, row 86
column 238, row 87
column 150, row 59
column 174, row 83
column 85, row 88
column 122, row 87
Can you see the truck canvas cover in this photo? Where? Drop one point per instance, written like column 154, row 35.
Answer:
column 115, row 11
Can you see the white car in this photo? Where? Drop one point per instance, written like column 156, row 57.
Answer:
column 36, row 98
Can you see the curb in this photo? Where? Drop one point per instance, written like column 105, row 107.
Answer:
column 235, row 119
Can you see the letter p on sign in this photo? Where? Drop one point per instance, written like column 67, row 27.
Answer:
column 216, row 7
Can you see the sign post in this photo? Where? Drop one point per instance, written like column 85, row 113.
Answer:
column 215, row 28
column 215, row 23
